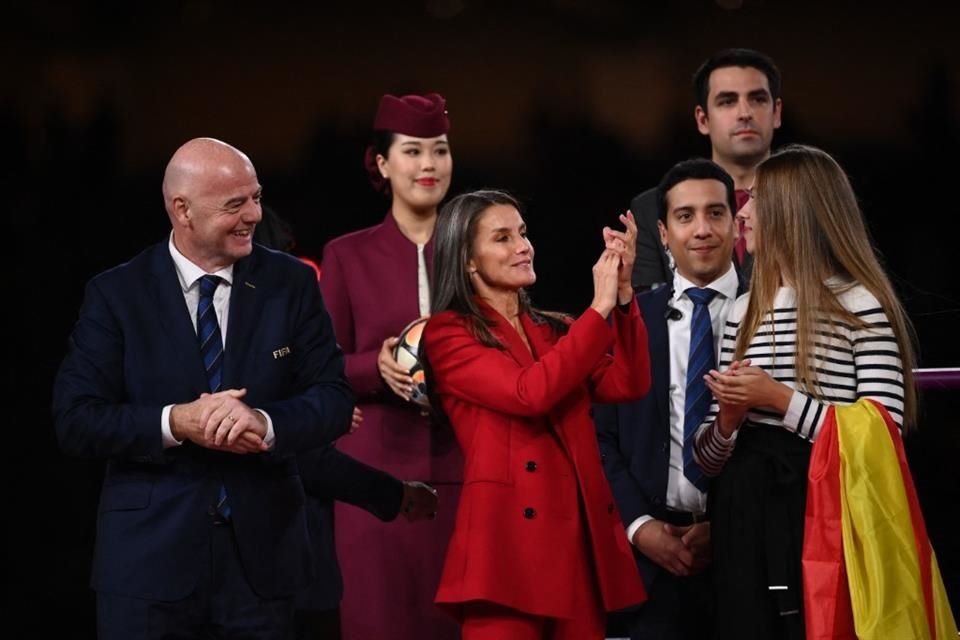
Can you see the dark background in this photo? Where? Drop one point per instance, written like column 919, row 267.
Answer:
column 574, row 105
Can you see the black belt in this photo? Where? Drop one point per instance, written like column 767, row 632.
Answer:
column 681, row 518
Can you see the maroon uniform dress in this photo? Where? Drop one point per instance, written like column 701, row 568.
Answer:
column 390, row 570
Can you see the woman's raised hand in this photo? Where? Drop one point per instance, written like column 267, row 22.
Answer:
column 624, row 244
column 605, row 282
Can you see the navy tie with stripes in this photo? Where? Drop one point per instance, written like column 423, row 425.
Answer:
column 211, row 350
column 698, row 397
column 208, row 331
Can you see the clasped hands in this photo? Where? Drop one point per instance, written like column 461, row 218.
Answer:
column 220, row 421
column 742, row 387
column 683, row 551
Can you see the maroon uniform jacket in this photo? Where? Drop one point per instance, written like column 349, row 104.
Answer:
column 369, row 285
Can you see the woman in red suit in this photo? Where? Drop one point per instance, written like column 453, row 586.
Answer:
column 538, row 549
column 374, row 282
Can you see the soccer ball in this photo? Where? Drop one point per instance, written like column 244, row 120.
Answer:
column 407, row 355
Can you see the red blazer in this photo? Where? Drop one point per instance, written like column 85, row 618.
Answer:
column 523, row 422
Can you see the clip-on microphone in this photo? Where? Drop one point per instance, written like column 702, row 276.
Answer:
column 672, row 313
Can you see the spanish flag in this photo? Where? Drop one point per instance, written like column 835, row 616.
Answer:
column 868, row 569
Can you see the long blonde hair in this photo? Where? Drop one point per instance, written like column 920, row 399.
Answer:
column 810, row 229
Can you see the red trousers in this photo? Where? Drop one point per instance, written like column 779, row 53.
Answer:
column 488, row 621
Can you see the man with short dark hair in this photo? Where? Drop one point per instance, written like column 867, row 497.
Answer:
column 738, row 108
column 647, row 445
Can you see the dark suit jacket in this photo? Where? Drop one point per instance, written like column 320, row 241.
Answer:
column 329, row 474
column 635, row 437
column 133, row 351
column 652, row 267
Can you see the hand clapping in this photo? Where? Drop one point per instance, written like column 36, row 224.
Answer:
column 619, row 254
column 624, row 243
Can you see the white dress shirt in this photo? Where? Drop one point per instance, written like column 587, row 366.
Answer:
column 189, row 276
column 683, row 495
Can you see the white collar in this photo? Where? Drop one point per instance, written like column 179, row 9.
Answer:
column 188, row 273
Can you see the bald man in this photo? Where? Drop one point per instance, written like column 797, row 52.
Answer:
column 199, row 370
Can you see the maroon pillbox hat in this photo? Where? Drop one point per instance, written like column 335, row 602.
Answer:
column 413, row 115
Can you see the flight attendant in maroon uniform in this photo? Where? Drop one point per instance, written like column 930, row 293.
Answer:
column 375, row 281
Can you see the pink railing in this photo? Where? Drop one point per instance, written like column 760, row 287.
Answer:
column 948, row 378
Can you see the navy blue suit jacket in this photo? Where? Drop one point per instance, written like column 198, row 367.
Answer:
column 635, row 436
column 134, row 350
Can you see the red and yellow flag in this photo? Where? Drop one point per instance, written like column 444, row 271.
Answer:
column 868, row 569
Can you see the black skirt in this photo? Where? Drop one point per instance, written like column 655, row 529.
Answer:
column 757, row 512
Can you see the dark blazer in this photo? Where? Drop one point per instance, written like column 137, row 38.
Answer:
column 651, row 268
column 635, row 437
column 133, row 351
column 329, row 474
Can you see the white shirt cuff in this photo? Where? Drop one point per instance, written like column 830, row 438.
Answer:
column 165, row 431
column 635, row 526
column 271, row 437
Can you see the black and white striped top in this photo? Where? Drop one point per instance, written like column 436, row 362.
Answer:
column 851, row 363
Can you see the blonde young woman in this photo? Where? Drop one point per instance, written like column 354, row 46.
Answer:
column 821, row 325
